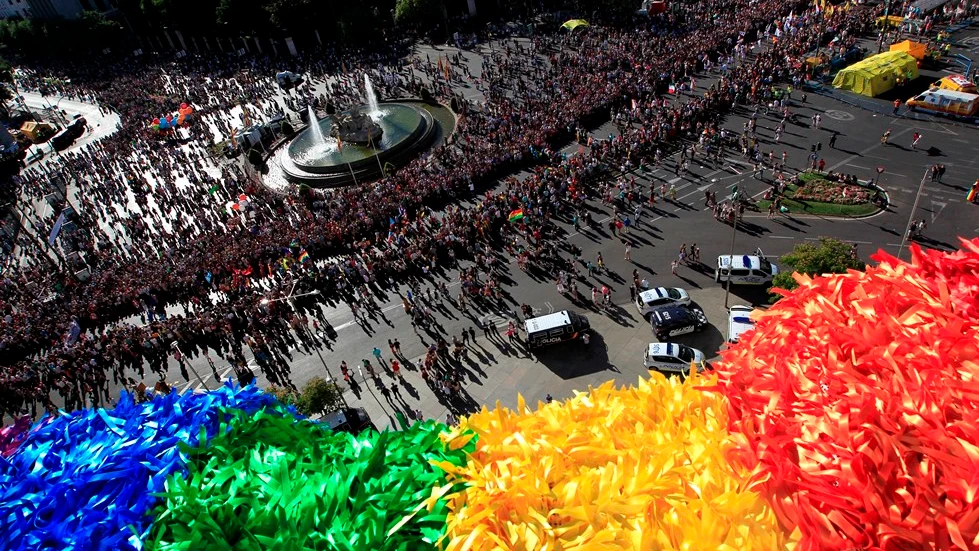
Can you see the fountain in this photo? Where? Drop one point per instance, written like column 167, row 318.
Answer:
column 319, row 144
column 372, row 108
column 358, row 144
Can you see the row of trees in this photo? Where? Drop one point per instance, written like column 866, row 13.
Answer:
column 349, row 22
column 93, row 31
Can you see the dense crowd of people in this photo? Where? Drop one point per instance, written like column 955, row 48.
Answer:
column 160, row 233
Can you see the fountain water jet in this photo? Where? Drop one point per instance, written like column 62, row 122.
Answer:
column 320, row 143
column 372, row 108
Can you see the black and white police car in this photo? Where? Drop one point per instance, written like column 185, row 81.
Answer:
column 670, row 321
column 671, row 357
column 647, row 301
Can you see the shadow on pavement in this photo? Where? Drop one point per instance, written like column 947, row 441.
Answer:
column 576, row 359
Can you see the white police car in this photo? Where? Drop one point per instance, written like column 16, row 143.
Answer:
column 671, row 357
column 647, row 301
column 739, row 321
column 745, row 269
column 670, row 321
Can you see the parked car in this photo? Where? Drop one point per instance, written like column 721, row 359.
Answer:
column 671, row 357
column 673, row 320
column 745, row 269
column 739, row 321
column 647, row 301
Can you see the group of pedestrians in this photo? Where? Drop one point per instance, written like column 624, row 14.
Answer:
column 231, row 272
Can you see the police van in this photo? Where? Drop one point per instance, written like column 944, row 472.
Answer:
column 753, row 269
column 554, row 328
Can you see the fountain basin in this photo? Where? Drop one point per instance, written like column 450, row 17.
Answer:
column 405, row 128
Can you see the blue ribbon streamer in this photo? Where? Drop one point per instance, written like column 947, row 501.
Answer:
column 88, row 479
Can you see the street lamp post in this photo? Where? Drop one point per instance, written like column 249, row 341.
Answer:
column 734, row 235
column 914, row 208
column 194, row 371
column 371, row 390
column 290, row 298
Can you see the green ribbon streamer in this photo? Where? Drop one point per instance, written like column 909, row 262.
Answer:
column 275, row 482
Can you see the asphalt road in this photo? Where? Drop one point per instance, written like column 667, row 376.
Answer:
column 657, row 242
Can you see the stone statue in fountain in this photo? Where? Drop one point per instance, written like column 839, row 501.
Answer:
column 356, row 127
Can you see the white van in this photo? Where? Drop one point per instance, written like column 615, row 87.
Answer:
column 554, row 328
column 739, row 321
column 287, row 78
column 745, row 269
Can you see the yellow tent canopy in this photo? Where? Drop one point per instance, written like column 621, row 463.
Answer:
column 890, row 21
column 917, row 50
column 573, row 24
column 877, row 74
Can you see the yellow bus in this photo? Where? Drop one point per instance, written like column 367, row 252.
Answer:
column 958, row 104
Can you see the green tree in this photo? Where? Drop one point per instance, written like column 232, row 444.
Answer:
column 295, row 15
column 829, row 256
column 319, row 396
column 285, row 395
column 242, row 15
column 418, row 12
column 6, row 72
column 606, row 8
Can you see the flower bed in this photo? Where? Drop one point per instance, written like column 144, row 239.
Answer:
column 825, row 191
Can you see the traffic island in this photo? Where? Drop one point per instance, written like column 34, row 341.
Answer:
column 829, row 194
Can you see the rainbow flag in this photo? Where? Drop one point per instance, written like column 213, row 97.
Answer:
column 516, row 215
column 303, row 256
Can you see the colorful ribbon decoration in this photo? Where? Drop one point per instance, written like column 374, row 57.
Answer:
column 856, row 395
column 845, row 420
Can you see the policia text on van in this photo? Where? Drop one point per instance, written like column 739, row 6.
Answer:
column 554, row 328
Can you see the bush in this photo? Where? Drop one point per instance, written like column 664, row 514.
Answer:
column 454, row 105
column 829, row 256
column 319, row 396
column 425, row 95
column 255, row 157
column 285, row 395
column 287, row 128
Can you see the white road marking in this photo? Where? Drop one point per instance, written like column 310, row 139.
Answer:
column 852, row 158
column 934, row 213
